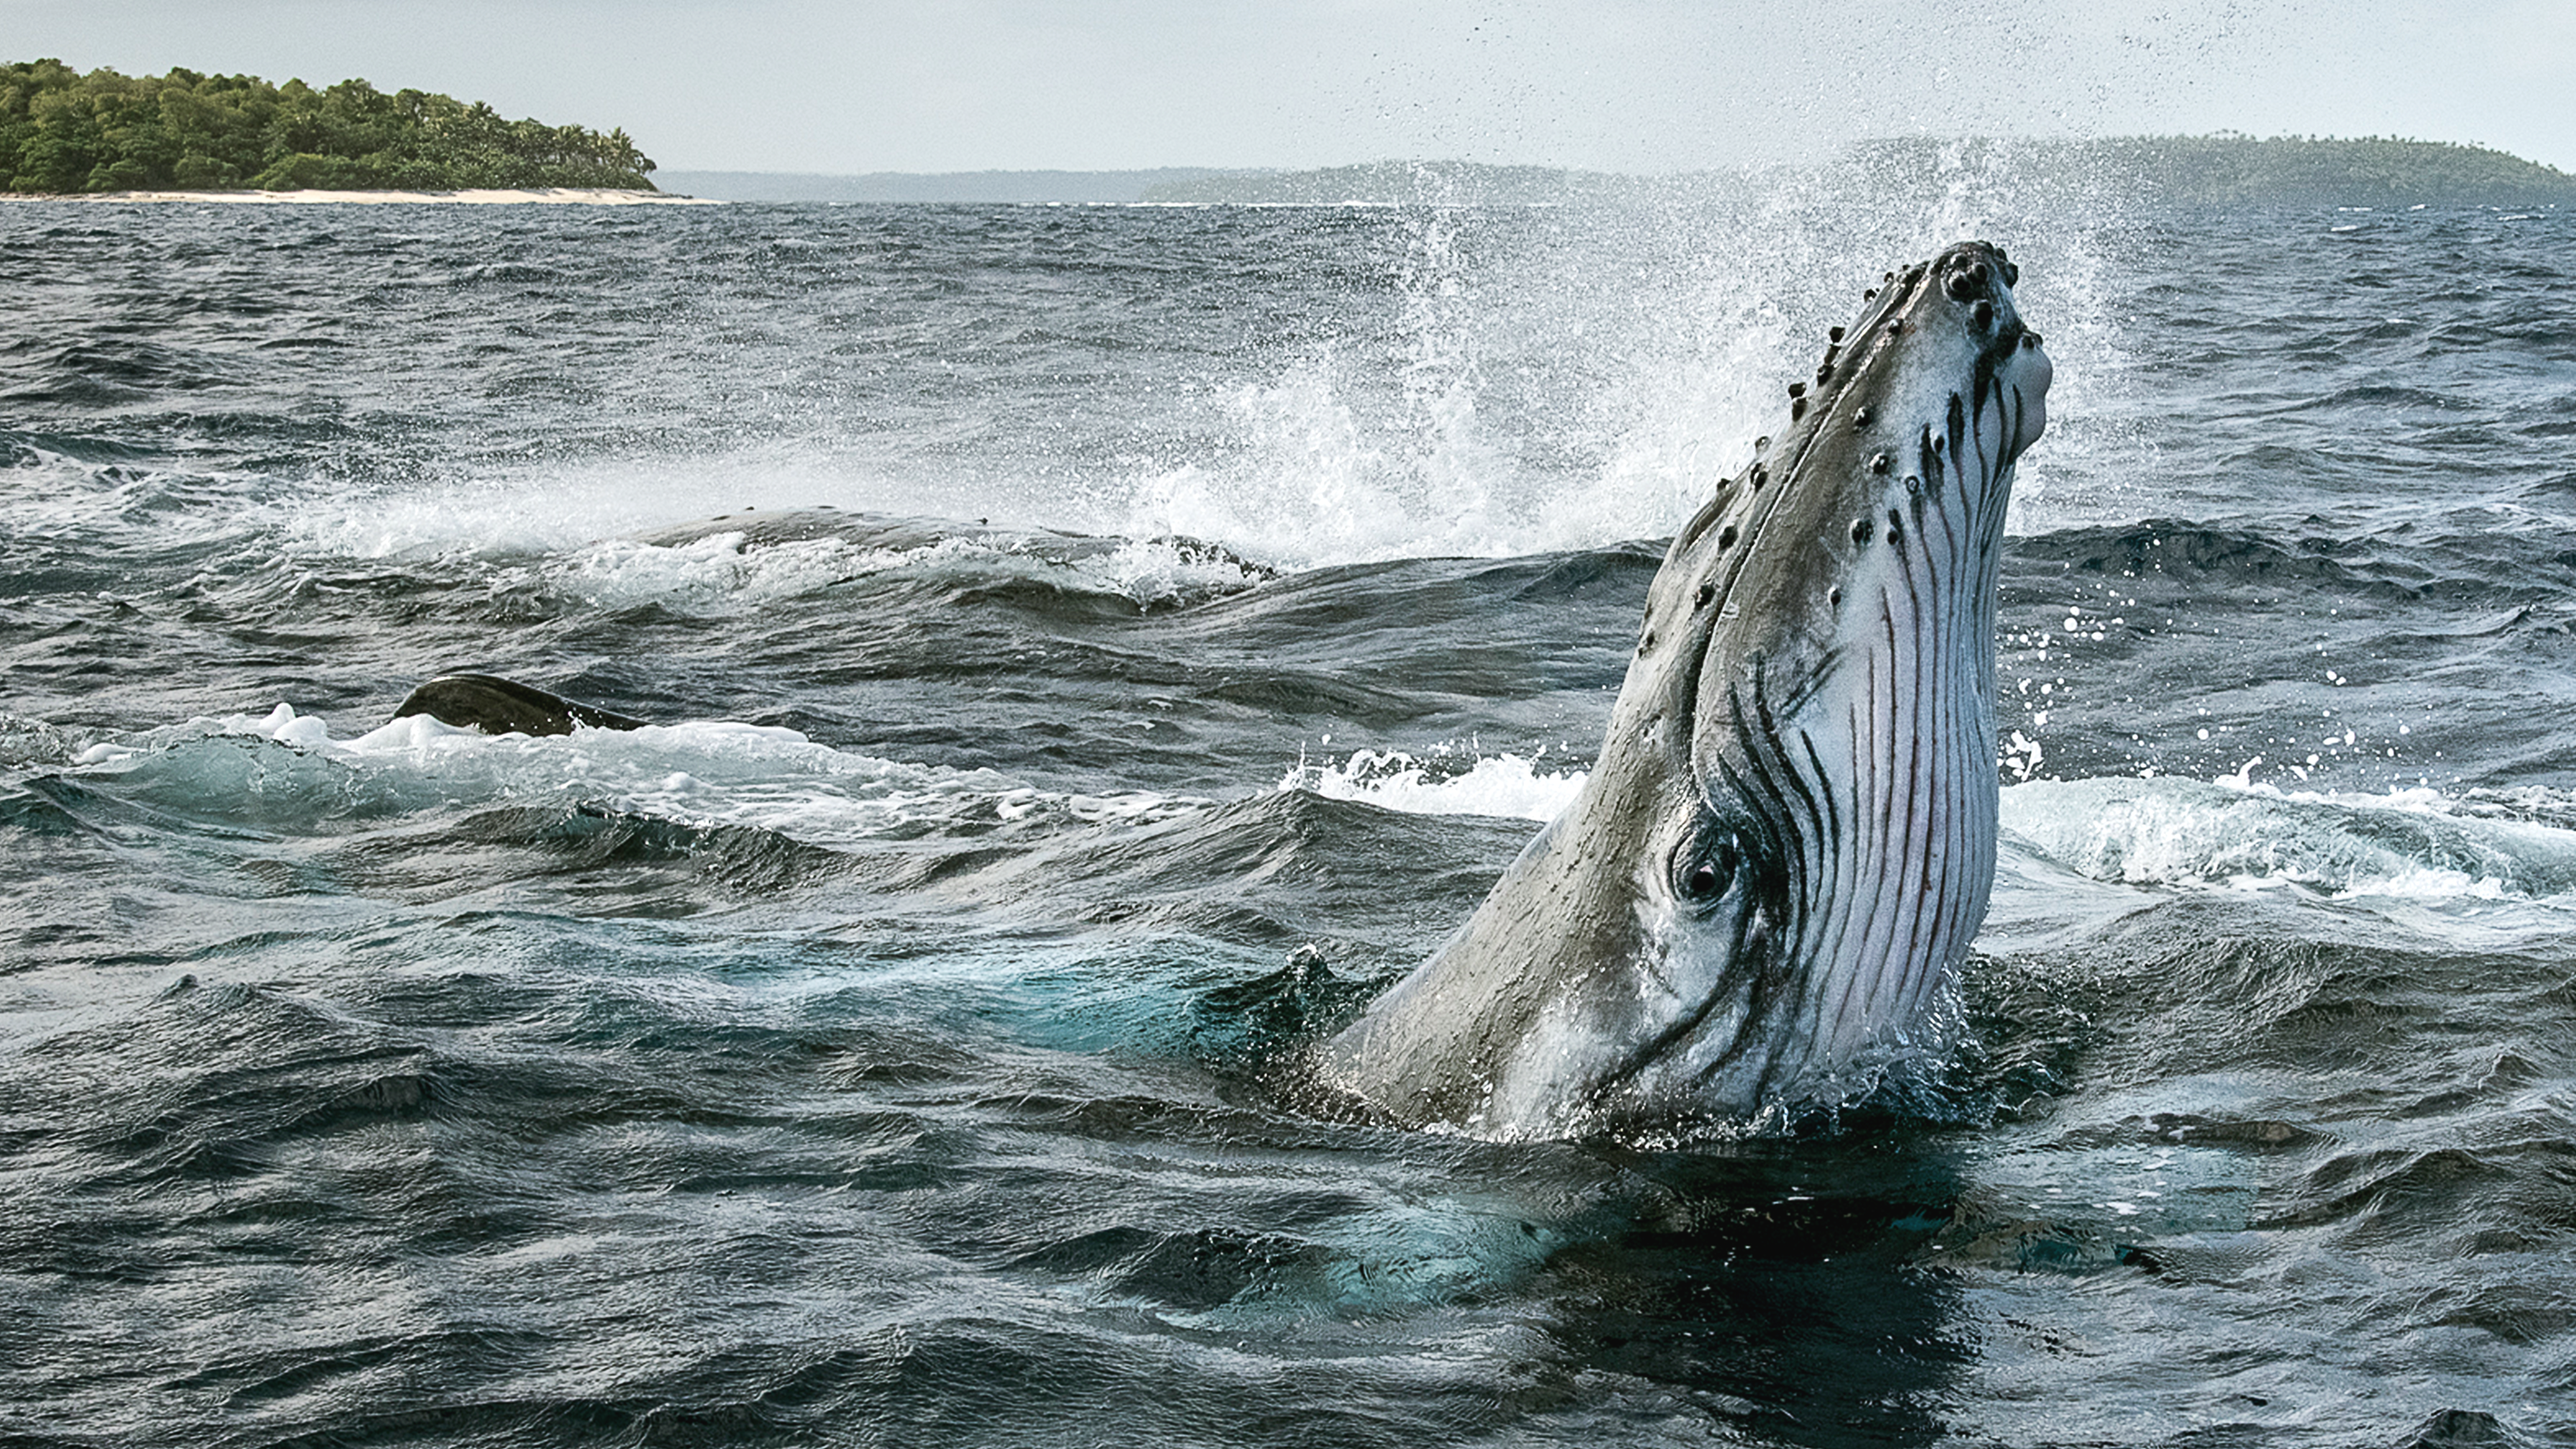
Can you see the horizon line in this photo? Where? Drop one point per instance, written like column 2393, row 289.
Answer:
column 2223, row 134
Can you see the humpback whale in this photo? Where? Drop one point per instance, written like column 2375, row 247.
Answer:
column 1788, row 839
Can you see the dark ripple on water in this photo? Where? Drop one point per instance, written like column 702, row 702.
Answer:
column 926, row 1075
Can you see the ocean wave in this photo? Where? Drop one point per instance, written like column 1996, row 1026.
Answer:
column 612, row 555
column 286, row 770
column 733, row 569
column 85, row 498
column 2407, row 845
column 1466, row 783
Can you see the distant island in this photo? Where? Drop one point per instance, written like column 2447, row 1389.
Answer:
column 2222, row 170
column 2233, row 169
column 62, row 132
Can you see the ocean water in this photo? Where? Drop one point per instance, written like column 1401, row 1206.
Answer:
column 887, row 1047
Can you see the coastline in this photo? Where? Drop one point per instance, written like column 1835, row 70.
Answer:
column 538, row 196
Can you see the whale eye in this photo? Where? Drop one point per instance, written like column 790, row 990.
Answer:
column 1706, row 868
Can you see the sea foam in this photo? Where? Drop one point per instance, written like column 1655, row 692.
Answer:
column 706, row 773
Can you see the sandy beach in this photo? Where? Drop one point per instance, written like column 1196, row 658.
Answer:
column 556, row 196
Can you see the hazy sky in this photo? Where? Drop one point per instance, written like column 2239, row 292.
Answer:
column 1634, row 85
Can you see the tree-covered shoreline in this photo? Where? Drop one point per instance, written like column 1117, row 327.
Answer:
column 63, row 132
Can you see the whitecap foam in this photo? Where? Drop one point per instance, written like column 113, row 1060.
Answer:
column 1152, row 571
column 2407, row 845
column 1509, row 785
column 731, row 570
column 719, row 571
column 700, row 773
column 515, row 511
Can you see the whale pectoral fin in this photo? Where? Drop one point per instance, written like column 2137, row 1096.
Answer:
column 501, row 707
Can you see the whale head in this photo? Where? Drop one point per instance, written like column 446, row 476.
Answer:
column 1788, row 839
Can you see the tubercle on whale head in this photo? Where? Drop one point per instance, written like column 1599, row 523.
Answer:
column 1787, row 840
column 1940, row 359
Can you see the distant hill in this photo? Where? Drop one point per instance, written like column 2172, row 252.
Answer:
column 2222, row 170
column 2226, row 170
column 1022, row 186
column 2235, row 170
column 62, row 131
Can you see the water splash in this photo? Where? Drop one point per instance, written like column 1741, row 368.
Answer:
column 1568, row 379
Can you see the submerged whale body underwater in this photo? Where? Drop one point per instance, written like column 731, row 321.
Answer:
column 987, row 962
column 1788, row 837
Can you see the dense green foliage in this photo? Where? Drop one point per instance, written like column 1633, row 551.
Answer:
column 61, row 131
column 2383, row 169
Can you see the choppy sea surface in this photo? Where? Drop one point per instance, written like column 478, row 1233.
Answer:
column 885, row 1047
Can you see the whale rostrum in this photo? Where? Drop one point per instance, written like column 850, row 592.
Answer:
column 1788, row 839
